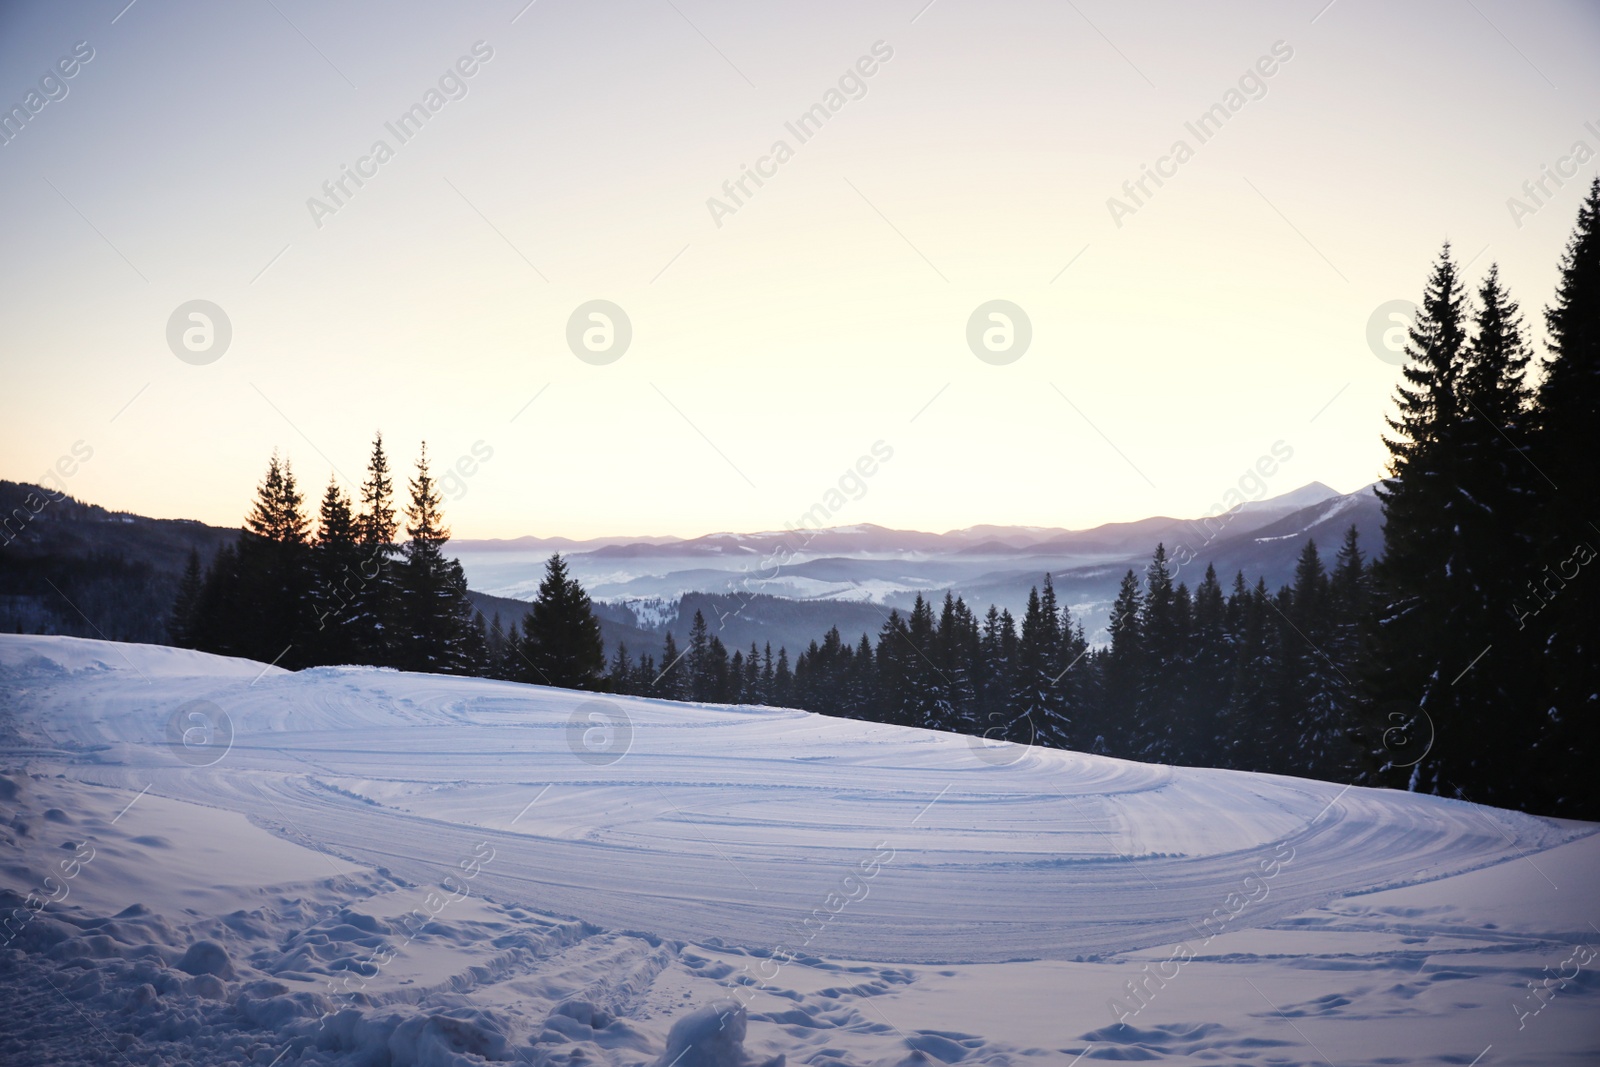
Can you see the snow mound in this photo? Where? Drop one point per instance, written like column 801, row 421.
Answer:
column 712, row 1036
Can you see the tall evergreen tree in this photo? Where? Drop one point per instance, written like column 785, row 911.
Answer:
column 1416, row 656
column 439, row 632
column 698, row 662
column 183, row 623
column 1496, row 487
column 754, row 692
column 1556, row 592
column 1160, row 692
column 720, row 683
column 1124, row 670
column 782, row 680
column 927, row 695
column 336, row 581
column 273, row 611
column 1317, row 733
column 216, row 626
column 1202, row 739
column 1349, row 632
column 376, row 602
column 619, row 679
column 560, row 634
column 671, row 682
column 895, row 670
column 1251, row 712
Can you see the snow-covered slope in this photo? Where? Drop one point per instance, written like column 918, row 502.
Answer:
column 583, row 872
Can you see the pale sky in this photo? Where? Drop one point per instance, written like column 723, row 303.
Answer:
column 828, row 311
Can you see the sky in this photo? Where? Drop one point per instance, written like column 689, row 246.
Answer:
column 775, row 334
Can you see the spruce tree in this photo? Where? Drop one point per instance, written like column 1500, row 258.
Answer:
column 782, row 680
column 1249, row 735
column 1031, row 698
column 619, row 679
column 1348, row 639
column 1210, row 675
column 561, row 636
column 1557, row 588
column 510, row 663
column 376, row 601
column 671, row 682
column 720, row 682
column 895, row 670
column 956, row 644
column 754, row 693
column 1317, row 731
column 1160, row 692
column 863, row 700
column 271, row 613
column 336, row 581
column 439, row 634
column 927, row 695
column 1496, row 487
column 697, row 662
column 736, row 690
column 1122, row 733
column 216, row 618
column 1416, row 656
column 182, row 624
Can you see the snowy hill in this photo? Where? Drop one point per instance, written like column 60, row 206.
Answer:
column 353, row 865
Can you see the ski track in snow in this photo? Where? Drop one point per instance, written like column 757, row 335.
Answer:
column 620, row 896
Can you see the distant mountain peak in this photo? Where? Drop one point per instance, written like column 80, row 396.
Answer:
column 1308, row 495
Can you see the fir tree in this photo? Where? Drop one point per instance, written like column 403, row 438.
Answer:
column 216, row 627
column 895, row 670
column 1124, row 671
column 1203, row 735
column 720, row 681
column 375, row 604
column 1557, row 587
column 752, row 688
column 561, row 636
column 671, row 684
column 182, row 624
column 782, row 680
column 336, row 581
column 272, row 611
column 439, row 635
column 862, row 698
column 927, row 695
column 1159, row 703
column 510, row 664
column 736, row 690
column 1348, row 637
column 619, row 679
column 698, row 660
column 1317, row 731
column 1416, row 656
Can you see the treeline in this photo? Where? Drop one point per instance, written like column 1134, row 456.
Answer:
column 1248, row 679
column 355, row 591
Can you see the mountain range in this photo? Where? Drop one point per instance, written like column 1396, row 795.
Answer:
column 789, row 586
column 78, row 569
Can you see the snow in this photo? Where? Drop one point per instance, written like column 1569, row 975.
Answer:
column 359, row 866
column 1336, row 507
column 649, row 612
column 871, row 590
